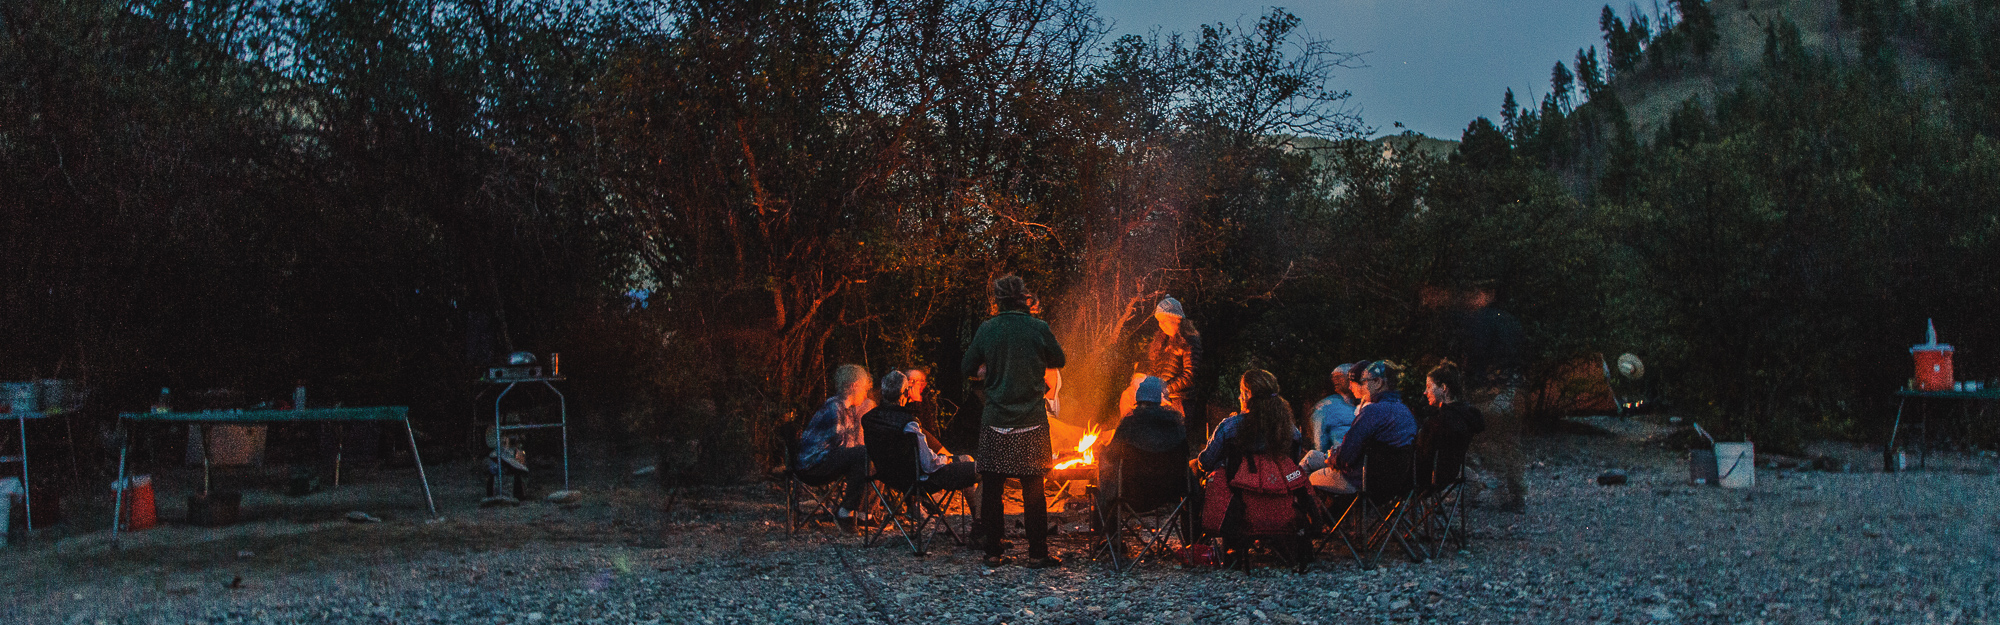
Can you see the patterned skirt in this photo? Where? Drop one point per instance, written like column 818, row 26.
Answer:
column 1017, row 454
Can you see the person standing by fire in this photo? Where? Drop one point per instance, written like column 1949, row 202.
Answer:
column 1014, row 352
column 1173, row 353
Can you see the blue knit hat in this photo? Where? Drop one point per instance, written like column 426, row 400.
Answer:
column 1170, row 306
column 1150, row 389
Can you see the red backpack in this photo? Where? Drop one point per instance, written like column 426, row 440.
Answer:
column 1254, row 496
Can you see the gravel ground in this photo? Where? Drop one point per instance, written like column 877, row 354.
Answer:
column 1802, row 547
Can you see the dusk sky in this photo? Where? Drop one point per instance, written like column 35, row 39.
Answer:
column 1432, row 64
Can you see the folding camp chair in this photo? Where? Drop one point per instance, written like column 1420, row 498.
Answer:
column 800, row 493
column 916, row 502
column 1379, row 514
column 1440, row 502
column 1122, row 516
column 1441, row 518
column 1293, row 547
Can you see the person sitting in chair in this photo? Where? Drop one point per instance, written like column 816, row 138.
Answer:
column 1383, row 427
column 901, row 449
column 1443, row 439
column 831, row 446
column 1145, row 464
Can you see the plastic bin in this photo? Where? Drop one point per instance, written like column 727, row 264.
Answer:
column 1933, row 367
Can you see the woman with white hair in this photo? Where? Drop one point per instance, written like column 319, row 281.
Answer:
column 831, row 445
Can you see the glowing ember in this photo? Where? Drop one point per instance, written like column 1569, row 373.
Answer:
column 1082, row 447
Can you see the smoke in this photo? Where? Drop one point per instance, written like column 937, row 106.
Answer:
column 1130, row 258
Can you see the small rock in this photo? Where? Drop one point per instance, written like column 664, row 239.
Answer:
column 536, row 616
column 244, row 554
column 1614, row 477
column 1282, row 618
column 358, row 516
column 564, row 497
column 1050, row 602
column 1660, row 613
column 1399, row 604
column 646, row 470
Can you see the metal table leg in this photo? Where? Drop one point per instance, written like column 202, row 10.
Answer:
column 118, row 506
column 27, row 490
column 419, row 459
column 562, row 403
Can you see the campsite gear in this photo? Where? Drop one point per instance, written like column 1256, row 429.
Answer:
column 1701, row 466
column 507, row 380
column 226, row 445
column 214, row 509
column 258, row 416
column 1933, row 360
column 135, row 502
column 1253, row 497
column 1736, row 465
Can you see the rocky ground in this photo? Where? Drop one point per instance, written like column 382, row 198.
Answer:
column 1801, row 547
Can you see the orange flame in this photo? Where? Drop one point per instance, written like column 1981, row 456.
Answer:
column 1083, row 446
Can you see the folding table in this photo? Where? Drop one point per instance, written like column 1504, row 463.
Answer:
column 372, row 413
column 1924, row 415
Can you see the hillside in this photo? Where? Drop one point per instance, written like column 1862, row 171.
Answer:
column 1649, row 96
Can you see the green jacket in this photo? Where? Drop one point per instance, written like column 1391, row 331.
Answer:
column 1016, row 349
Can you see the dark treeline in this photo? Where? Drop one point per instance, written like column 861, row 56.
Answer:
column 705, row 206
column 1779, row 245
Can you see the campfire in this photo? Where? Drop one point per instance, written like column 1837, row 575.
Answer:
column 1086, row 454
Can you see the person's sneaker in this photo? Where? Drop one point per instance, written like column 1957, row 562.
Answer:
column 1044, row 562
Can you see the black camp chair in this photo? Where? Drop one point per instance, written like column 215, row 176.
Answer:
column 1369, row 520
column 1440, row 503
column 915, row 503
column 1145, row 482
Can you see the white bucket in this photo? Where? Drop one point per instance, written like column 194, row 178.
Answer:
column 1736, row 465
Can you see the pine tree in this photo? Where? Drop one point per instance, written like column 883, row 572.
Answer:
column 1587, row 69
column 1698, row 23
column 1561, row 85
column 1620, row 46
column 1510, row 115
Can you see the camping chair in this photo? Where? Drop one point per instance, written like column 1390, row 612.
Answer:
column 1379, row 514
column 801, row 493
column 893, row 453
column 1440, row 503
column 1239, row 545
column 1150, row 489
column 1387, row 494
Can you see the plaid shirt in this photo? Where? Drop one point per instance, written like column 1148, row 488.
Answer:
column 833, row 426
